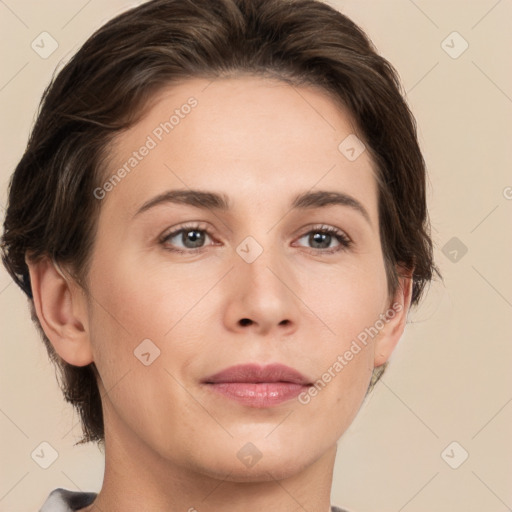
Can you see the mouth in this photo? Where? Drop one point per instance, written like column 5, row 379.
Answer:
column 258, row 386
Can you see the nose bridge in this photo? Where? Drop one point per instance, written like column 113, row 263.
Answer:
column 262, row 282
column 262, row 261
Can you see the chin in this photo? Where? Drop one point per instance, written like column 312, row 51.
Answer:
column 259, row 473
column 274, row 465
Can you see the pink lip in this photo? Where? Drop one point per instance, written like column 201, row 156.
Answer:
column 258, row 386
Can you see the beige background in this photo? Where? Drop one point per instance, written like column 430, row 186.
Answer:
column 450, row 377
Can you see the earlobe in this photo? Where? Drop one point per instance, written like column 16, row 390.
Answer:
column 396, row 315
column 61, row 310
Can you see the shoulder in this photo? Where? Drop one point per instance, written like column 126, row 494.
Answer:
column 63, row 500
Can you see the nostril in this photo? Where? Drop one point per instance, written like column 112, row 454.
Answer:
column 246, row 321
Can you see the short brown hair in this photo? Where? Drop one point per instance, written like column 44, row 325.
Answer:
column 104, row 88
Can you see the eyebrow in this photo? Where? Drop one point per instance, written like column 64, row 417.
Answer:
column 214, row 201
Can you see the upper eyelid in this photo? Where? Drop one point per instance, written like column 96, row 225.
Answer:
column 203, row 227
column 184, row 227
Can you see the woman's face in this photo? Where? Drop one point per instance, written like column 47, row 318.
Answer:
column 257, row 281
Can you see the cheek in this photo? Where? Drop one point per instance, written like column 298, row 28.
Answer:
column 138, row 309
column 346, row 299
column 148, row 300
column 347, row 304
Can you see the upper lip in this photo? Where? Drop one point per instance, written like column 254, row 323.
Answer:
column 255, row 373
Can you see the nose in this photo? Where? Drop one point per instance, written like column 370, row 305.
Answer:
column 261, row 297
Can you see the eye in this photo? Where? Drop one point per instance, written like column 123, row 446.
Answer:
column 321, row 238
column 192, row 238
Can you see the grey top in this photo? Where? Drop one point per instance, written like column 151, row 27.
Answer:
column 62, row 500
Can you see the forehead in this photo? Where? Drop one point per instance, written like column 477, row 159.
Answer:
column 250, row 135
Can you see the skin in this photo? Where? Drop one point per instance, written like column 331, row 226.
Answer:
column 171, row 444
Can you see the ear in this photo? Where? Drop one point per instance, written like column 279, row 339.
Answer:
column 394, row 319
column 60, row 306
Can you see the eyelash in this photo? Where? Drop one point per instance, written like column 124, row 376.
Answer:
column 344, row 241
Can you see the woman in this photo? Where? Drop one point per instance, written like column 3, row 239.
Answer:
column 220, row 221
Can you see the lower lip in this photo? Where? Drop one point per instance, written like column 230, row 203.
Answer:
column 259, row 395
